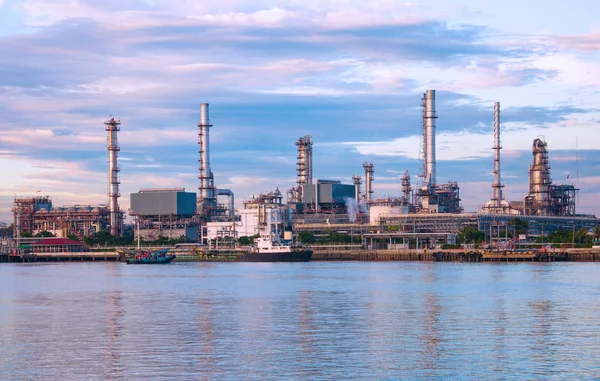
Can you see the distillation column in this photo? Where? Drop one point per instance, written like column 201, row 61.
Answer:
column 112, row 127
column 357, row 182
column 406, row 187
column 368, row 179
column 206, row 187
column 304, row 164
column 539, row 179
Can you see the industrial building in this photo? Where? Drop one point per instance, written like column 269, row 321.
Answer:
column 320, row 206
column 432, row 197
column 36, row 214
column 432, row 213
column 326, row 196
column 545, row 198
column 264, row 213
column 164, row 212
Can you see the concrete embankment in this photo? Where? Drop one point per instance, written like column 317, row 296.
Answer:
column 563, row 255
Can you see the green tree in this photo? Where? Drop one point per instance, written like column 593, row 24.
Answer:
column 245, row 240
column 306, row 237
column 520, row 225
column 470, row 234
column 45, row 234
column 7, row 231
column 597, row 232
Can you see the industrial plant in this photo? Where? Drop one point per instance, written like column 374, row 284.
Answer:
column 422, row 215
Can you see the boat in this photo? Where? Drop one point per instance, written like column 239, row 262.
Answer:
column 156, row 257
column 267, row 250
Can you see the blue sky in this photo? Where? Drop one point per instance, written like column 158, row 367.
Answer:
column 349, row 73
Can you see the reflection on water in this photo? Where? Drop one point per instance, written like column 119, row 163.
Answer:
column 307, row 321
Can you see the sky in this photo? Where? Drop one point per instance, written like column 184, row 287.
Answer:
column 349, row 73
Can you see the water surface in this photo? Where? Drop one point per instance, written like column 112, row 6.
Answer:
column 302, row 321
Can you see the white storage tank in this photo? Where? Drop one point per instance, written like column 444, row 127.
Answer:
column 385, row 207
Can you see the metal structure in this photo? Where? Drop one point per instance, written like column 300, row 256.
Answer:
column 432, row 197
column 369, row 170
column 454, row 222
column 207, row 198
column 563, row 198
column 537, row 201
column 357, row 181
column 113, row 126
column 304, row 168
column 497, row 204
column 304, row 164
column 33, row 215
column 406, row 186
column 266, row 214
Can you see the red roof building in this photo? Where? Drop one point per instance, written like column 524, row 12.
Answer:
column 57, row 245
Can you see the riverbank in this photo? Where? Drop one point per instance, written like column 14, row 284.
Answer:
column 332, row 254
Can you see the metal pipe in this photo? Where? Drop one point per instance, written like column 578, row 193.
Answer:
column 430, row 117
column 497, row 198
column 113, row 126
column 206, row 187
column 229, row 193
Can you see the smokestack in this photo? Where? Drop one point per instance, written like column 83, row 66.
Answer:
column 368, row 179
column 113, row 126
column 430, row 117
column 497, row 198
column 357, row 181
column 206, row 188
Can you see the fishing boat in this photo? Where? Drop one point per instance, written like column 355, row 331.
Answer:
column 156, row 257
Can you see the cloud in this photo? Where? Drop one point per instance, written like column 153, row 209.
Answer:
column 349, row 73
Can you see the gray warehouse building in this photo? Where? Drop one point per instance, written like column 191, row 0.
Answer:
column 165, row 212
column 161, row 202
column 329, row 194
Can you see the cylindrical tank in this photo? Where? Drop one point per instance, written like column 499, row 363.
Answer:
column 375, row 211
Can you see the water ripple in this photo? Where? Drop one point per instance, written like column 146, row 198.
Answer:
column 313, row 321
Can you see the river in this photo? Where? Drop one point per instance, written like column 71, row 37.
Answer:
column 300, row 321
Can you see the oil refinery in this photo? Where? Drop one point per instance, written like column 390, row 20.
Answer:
column 422, row 215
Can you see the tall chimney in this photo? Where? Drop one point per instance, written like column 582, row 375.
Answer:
column 206, row 188
column 497, row 186
column 113, row 126
column 430, row 117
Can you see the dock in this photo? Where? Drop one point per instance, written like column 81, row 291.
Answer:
column 335, row 254
column 84, row 256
